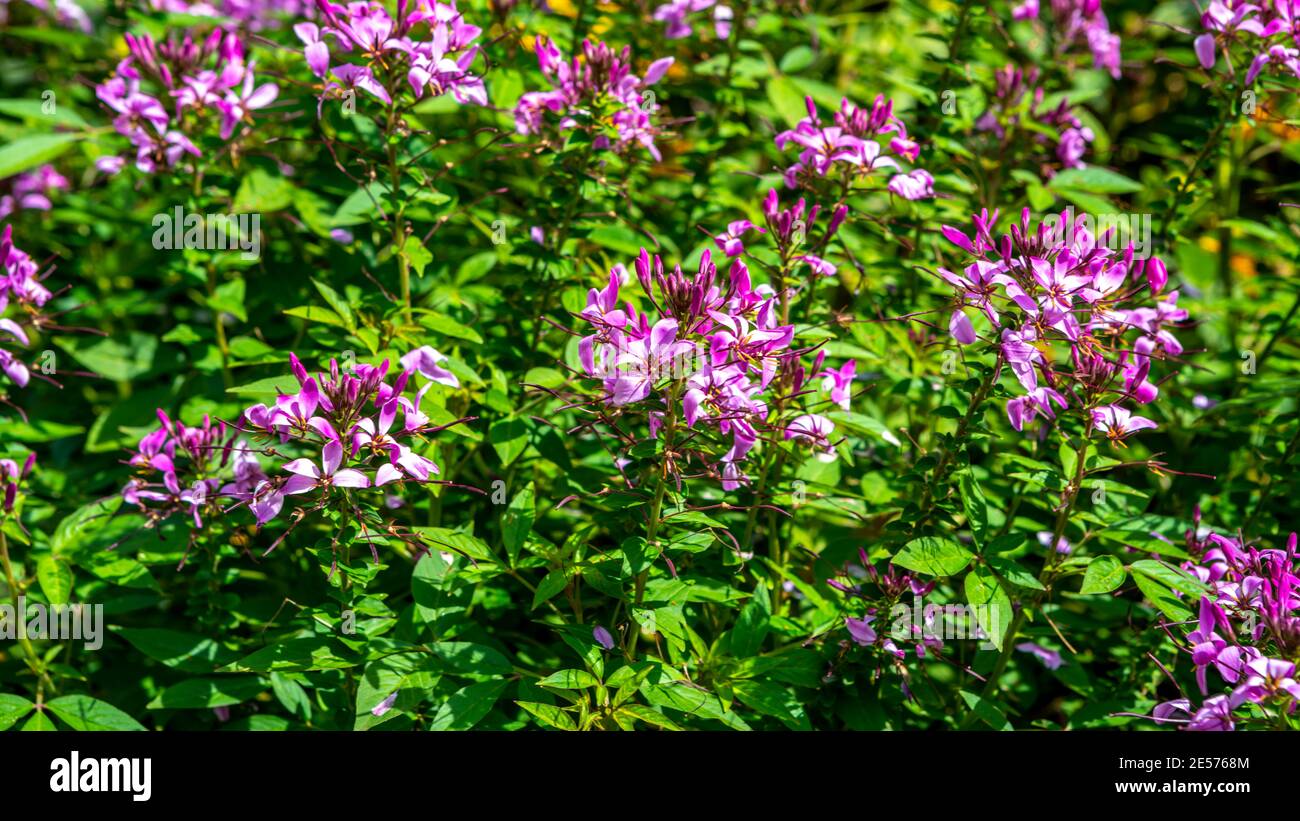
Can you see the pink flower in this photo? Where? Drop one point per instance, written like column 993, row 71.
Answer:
column 307, row 476
column 1118, row 423
column 1205, row 50
column 815, row 430
column 425, row 361
column 914, row 185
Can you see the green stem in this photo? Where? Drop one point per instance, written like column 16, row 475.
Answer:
column 1018, row 621
column 29, row 652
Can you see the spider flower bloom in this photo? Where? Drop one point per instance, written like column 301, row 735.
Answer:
column 730, row 242
column 852, row 145
column 427, row 362
column 596, row 91
column 815, row 430
column 307, row 476
column 1118, row 423
column 207, row 78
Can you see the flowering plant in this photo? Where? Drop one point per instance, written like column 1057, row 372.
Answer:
column 673, row 365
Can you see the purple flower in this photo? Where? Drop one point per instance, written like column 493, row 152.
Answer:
column 1118, row 423
column 839, row 382
column 860, row 630
column 307, row 476
column 914, row 185
column 603, row 637
column 815, row 430
column 730, row 242
column 960, row 327
column 385, row 705
column 1215, row 715
column 1205, row 51
column 425, row 361
column 1050, row 658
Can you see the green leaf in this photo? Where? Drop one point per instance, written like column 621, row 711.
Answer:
column 445, row 325
column 228, row 297
column 85, row 713
column 56, row 579
column 787, row 99
column 773, row 700
column 31, row 151
column 1170, row 576
column 118, row 359
column 990, row 602
column 338, row 303
column 468, row 706
column 796, row 59
column 1104, row 574
column 39, row 722
column 550, row 586
column 12, row 708
column 261, row 193
column 1094, row 180
column 549, row 715
column 976, row 506
column 416, row 255
column 122, row 571
column 986, row 711
column 35, row 110
column 295, row 654
column 650, row 716
column 201, row 693
column 470, row 658
column 517, row 522
column 315, row 313
column 457, row 542
column 509, row 438
column 87, row 525
column 745, row 639
column 1014, row 573
column 187, row 652
column 570, row 680
column 1162, row 597
column 934, row 556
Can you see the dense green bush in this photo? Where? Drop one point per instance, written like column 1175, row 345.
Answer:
column 585, row 365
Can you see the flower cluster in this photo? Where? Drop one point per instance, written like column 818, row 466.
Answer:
column 596, row 91
column 1247, row 631
column 32, row 190
column 716, row 351
column 20, row 287
column 1060, row 284
column 205, row 82
column 347, row 422
column 676, row 16
column 910, row 621
column 1269, row 32
column 1014, row 116
column 182, row 469
column 1078, row 22
column 852, row 148
column 428, row 46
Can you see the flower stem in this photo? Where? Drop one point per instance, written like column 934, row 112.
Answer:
column 29, row 652
column 1018, row 621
